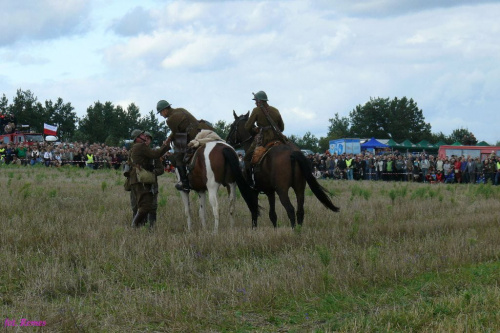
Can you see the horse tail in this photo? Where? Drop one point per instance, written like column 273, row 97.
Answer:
column 246, row 191
column 319, row 191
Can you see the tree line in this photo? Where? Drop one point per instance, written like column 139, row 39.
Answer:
column 399, row 119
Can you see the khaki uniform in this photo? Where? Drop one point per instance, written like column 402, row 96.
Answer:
column 267, row 132
column 158, row 170
column 179, row 120
column 142, row 155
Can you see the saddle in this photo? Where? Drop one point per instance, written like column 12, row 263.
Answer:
column 261, row 151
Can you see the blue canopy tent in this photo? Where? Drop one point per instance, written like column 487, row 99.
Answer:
column 373, row 144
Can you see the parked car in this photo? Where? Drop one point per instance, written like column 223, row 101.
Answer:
column 307, row 152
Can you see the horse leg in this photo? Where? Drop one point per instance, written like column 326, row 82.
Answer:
column 202, row 196
column 212, row 196
column 232, row 200
column 185, row 200
column 271, row 198
column 300, row 206
column 285, row 201
column 299, row 189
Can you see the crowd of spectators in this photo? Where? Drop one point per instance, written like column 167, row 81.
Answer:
column 78, row 154
column 367, row 166
column 407, row 167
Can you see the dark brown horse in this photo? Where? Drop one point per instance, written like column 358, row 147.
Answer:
column 283, row 167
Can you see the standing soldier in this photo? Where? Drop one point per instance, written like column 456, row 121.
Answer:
column 269, row 127
column 143, row 157
column 184, row 127
column 157, row 170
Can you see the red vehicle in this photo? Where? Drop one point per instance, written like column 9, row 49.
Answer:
column 21, row 137
column 473, row 151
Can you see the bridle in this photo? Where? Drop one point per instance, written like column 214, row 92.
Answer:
column 233, row 136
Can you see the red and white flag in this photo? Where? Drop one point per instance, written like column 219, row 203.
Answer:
column 49, row 129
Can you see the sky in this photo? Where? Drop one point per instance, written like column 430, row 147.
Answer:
column 313, row 58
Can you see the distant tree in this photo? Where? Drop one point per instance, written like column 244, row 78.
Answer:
column 338, row 128
column 222, row 128
column 132, row 118
column 62, row 116
column 4, row 103
column 469, row 140
column 103, row 123
column 28, row 110
column 437, row 137
column 294, row 139
column 463, row 136
column 308, row 141
column 399, row 119
column 155, row 126
column 324, row 144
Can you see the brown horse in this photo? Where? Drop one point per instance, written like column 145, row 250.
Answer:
column 214, row 164
column 282, row 167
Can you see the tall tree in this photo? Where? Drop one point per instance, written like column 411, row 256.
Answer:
column 462, row 135
column 103, row 123
column 28, row 110
column 437, row 137
column 338, row 128
column 155, row 126
column 63, row 116
column 399, row 119
column 222, row 128
column 308, row 141
column 4, row 103
column 132, row 118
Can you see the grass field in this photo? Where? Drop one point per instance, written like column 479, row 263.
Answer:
column 399, row 257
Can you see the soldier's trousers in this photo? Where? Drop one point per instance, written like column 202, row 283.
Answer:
column 145, row 199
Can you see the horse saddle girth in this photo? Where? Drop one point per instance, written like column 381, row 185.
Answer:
column 261, row 151
column 190, row 157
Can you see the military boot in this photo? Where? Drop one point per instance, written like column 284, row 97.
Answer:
column 139, row 219
column 249, row 174
column 152, row 220
column 183, row 184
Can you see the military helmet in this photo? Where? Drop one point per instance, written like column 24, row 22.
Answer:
column 162, row 105
column 260, row 96
column 148, row 134
column 135, row 133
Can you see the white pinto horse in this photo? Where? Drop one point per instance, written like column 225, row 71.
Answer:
column 216, row 163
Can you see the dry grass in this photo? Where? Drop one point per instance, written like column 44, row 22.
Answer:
column 398, row 257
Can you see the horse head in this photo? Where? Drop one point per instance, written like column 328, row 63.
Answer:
column 238, row 135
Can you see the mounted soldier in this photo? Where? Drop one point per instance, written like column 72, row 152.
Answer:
column 184, row 127
column 269, row 129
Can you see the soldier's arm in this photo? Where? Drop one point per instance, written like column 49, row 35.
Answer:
column 155, row 153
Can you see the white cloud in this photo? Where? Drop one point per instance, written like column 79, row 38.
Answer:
column 41, row 19
column 313, row 58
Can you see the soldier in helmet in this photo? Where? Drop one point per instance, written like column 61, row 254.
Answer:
column 158, row 170
column 184, row 127
column 267, row 131
column 141, row 156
